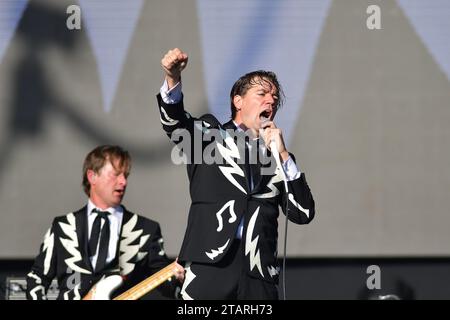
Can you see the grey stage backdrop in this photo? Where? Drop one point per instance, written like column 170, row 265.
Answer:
column 367, row 112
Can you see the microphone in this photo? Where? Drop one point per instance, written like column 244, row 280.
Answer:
column 272, row 144
column 274, row 149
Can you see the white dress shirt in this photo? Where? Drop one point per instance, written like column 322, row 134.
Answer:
column 115, row 222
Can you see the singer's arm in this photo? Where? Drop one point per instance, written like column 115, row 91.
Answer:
column 291, row 169
column 301, row 203
column 301, row 206
column 178, row 124
column 170, row 97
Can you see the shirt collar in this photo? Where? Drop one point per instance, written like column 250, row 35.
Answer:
column 115, row 211
column 239, row 129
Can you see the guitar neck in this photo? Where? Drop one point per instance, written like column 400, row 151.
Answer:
column 148, row 284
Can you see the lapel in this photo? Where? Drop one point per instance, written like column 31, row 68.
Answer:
column 81, row 223
column 265, row 168
column 242, row 153
column 265, row 172
column 125, row 261
column 126, row 217
column 229, row 125
column 268, row 174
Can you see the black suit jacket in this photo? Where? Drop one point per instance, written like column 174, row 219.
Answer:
column 64, row 255
column 221, row 195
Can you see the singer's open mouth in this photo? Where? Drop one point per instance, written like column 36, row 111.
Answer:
column 265, row 114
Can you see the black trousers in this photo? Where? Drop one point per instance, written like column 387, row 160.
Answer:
column 226, row 280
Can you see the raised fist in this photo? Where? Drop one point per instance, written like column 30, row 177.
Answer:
column 173, row 63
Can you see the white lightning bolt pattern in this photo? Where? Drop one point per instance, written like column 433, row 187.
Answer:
column 250, row 245
column 189, row 276
column 271, row 185
column 227, row 154
column 141, row 255
column 35, row 290
column 48, row 248
column 71, row 244
column 38, row 280
column 35, row 276
column 297, row 205
column 233, row 216
column 161, row 244
column 170, row 121
column 203, row 126
column 142, row 241
column 76, row 292
column 214, row 253
column 273, row 271
column 129, row 251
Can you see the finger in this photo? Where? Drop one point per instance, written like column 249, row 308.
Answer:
column 167, row 61
column 266, row 124
column 184, row 63
column 176, row 51
column 181, row 56
column 266, row 137
column 173, row 58
column 272, row 125
column 178, row 62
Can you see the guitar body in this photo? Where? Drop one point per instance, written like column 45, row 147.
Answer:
column 103, row 289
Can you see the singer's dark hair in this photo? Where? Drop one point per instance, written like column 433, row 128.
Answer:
column 97, row 158
column 259, row 77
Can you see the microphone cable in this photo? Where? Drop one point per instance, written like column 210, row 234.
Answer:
column 276, row 155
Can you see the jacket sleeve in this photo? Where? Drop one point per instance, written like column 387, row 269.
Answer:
column 299, row 201
column 44, row 268
column 186, row 132
column 173, row 117
column 157, row 260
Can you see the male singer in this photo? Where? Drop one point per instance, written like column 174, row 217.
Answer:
column 230, row 245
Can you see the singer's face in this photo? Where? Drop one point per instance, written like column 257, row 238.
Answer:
column 258, row 103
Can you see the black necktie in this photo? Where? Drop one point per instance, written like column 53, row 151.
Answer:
column 104, row 239
column 252, row 167
column 256, row 175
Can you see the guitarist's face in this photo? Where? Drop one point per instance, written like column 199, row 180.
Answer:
column 108, row 185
